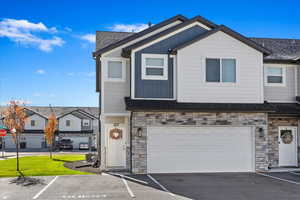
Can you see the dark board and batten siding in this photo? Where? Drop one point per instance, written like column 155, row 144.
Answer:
column 161, row 88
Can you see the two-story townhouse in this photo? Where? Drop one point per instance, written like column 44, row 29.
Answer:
column 188, row 95
column 80, row 124
column 33, row 134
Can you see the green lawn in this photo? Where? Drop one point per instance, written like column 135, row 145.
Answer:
column 39, row 166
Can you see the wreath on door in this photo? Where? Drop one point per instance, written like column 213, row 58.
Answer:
column 286, row 136
column 116, row 133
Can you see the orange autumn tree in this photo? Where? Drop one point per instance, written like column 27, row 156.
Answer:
column 50, row 131
column 14, row 120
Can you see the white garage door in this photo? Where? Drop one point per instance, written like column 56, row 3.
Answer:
column 34, row 141
column 199, row 149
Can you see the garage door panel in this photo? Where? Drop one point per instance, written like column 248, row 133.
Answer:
column 200, row 149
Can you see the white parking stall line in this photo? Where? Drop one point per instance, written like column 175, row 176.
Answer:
column 280, row 179
column 45, row 188
column 127, row 187
column 160, row 185
column 295, row 173
column 130, row 178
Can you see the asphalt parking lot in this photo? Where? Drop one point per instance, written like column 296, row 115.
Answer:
column 212, row 186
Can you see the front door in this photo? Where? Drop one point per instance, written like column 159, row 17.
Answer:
column 287, row 140
column 116, row 151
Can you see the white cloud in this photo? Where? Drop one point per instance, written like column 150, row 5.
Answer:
column 129, row 27
column 25, row 33
column 40, row 71
column 89, row 37
column 70, row 74
column 68, row 29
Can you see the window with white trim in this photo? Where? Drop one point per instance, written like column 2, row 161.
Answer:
column 220, row 70
column 154, row 66
column 116, row 70
column 86, row 122
column 68, row 123
column 275, row 76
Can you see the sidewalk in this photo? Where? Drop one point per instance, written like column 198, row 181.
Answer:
column 9, row 155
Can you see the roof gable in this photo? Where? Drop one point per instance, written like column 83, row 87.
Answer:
column 139, row 34
column 207, row 24
column 30, row 113
column 81, row 114
column 229, row 32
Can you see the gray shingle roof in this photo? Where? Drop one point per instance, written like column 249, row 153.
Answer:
column 46, row 111
column 282, row 49
column 101, row 49
column 105, row 38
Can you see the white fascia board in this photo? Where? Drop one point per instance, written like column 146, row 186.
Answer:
column 169, row 35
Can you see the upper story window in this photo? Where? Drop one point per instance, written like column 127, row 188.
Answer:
column 68, row 123
column 116, row 69
column 154, row 67
column 86, row 122
column 275, row 76
column 32, row 122
column 221, row 70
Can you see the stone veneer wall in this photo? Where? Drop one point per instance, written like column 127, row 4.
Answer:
column 273, row 124
column 145, row 119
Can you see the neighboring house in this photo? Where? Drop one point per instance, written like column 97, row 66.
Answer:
column 188, row 95
column 80, row 124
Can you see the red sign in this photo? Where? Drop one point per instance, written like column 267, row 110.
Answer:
column 2, row 132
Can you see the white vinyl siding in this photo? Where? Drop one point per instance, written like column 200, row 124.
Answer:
column 33, row 141
column 199, row 149
column 191, row 61
column 75, row 123
column 36, row 120
column 298, row 81
column 114, row 93
column 282, row 93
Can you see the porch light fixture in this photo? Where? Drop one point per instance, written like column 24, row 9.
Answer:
column 139, row 132
column 261, row 132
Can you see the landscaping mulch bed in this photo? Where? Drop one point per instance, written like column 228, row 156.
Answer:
column 82, row 166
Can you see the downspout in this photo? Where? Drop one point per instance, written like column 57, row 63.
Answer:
column 130, row 129
column 99, row 131
column 98, row 89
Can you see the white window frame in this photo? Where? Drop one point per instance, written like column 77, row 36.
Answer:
column 221, row 72
column 283, row 84
column 123, row 78
column 67, row 123
column 86, row 121
column 164, row 67
column 33, row 123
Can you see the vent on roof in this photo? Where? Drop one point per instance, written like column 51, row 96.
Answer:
column 149, row 24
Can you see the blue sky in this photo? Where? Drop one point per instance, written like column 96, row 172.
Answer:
column 46, row 46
